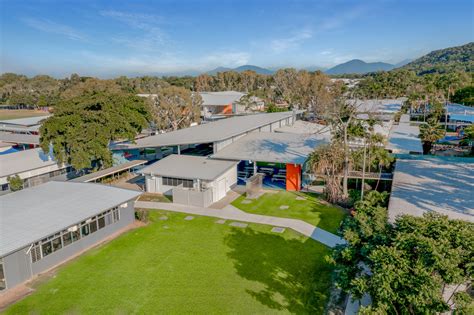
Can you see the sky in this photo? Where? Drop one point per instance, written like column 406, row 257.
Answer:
column 112, row 38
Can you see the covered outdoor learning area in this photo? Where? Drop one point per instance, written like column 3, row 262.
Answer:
column 280, row 157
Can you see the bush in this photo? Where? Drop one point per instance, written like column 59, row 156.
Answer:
column 142, row 215
column 15, row 183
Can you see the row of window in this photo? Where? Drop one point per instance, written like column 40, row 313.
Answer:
column 72, row 234
column 170, row 181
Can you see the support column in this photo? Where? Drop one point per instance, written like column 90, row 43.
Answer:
column 179, row 149
column 254, row 167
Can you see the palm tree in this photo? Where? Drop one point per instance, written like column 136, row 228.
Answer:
column 430, row 132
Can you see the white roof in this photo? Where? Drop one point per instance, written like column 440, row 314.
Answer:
column 444, row 185
column 29, row 215
column 188, row 167
column 23, row 161
column 220, row 98
column 383, row 106
column 305, row 127
column 274, row 147
column 19, row 138
column 210, row 132
column 29, row 121
column 404, row 138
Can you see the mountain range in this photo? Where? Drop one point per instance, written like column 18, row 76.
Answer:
column 257, row 69
column 353, row 66
column 443, row 60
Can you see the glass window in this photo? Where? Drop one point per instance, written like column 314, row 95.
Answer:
column 76, row 235
column 67, row 238
column 85, row 230
column 36, row 253
column 116, row 215
column 47, row 248
column 56, row 243
column 101, row 222
column 93, row 226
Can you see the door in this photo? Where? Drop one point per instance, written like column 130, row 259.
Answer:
column 221, row 189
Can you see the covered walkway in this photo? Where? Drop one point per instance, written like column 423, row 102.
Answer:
column 108, row 172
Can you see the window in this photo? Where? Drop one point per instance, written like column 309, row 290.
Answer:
column 72, row 234
column 101, row 222
column 57, row 244
column 116, row 214
column 3, row 284
column 85, row 229
column 76, row 235
column 67, row 238
column 170, row 181
column 47, row 248
column 93, row 226
column 35, row 252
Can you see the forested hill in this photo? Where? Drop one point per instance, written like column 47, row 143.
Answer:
column 460, row 58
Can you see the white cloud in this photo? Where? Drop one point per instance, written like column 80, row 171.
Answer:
column 225, row 59
column 162, row 63
column 281, row 44
column 49, row 26
column 150, row 35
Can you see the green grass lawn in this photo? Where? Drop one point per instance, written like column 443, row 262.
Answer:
column 312, row 210
column 176, row 266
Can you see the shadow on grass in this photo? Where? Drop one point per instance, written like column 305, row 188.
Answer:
column 293, row 272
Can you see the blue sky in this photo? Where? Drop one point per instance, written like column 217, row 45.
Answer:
column 110, row 38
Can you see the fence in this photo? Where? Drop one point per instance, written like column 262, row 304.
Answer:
column 192, row 197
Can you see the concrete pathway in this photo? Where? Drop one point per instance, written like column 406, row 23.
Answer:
column 230, row 212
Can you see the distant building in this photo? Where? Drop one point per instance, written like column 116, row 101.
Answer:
column 220, row 103
column 44, row 226
column 33, row 166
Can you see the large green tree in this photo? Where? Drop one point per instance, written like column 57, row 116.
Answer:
column 408, row 266
column 82, row 127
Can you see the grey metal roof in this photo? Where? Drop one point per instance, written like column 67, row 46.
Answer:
column 29, row 121
column 404, row 138
column 19, row 138
column 305, row 127
column 209, row 132
column 29, row 215
column 220, row 98
column 188, row 167
column 272, row 147
column 108, row 171
column 23, row 161
column 424, row 184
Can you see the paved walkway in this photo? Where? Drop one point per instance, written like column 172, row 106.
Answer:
column 232, row 213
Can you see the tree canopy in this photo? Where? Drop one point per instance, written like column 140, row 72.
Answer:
column 82, row 127
column 405, row 267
